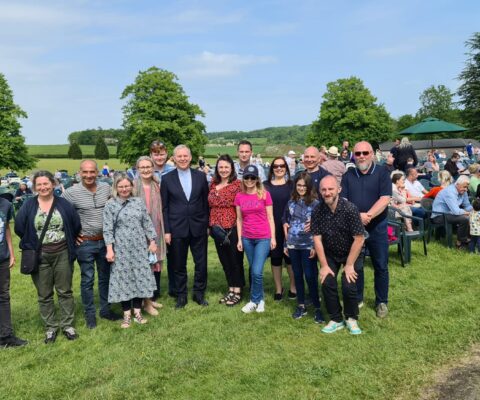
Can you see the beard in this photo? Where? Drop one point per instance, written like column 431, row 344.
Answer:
column 363, row 166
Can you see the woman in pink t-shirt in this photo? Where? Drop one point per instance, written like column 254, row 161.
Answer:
column 256, row 232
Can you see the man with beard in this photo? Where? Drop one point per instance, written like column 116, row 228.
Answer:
column 338, row 235
column 369, row 187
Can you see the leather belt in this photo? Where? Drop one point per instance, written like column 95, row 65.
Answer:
column 95, row 238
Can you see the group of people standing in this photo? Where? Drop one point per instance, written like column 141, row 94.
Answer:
column 126, row 233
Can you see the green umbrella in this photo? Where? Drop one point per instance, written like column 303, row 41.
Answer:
column 430, row 126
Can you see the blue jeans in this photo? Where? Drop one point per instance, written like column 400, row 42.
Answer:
column 377, row 245
column 89, row 253
column 257, row 251
column 303, row 264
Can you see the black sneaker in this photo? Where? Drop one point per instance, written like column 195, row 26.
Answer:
column 278, row 296
column 111, row 316
column 300, row 311
column 318, row 317
column 12, row 341
column 50, row 336
column 91, row 322
column 70, row 333
column 291, row 295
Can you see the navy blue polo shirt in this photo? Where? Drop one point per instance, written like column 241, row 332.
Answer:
column 364, row 190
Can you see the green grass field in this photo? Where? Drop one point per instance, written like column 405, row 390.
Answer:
column 62, row 149
column 218, row 352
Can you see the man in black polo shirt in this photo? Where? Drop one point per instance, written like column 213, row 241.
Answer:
column 369, row 187
column 338, row 235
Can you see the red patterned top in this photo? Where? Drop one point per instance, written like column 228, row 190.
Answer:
column 222, row 210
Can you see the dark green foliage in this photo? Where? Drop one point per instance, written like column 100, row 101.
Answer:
column 350, row 112
column 437, row 102
column 13, row 151
column 101, row 149
column 89, row 136
column 469, row 90
column 290, row 135
column 75, row 152
column 158, row 108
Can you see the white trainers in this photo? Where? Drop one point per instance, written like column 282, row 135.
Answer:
column 249, row 307
column 261, row 306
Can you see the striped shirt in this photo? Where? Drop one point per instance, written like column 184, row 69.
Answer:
column 89, row 206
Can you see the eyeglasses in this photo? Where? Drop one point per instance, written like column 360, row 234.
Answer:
column 278, row 166
column 124, row 187
column 361, row 153
column 145, row 168
column 249, row 178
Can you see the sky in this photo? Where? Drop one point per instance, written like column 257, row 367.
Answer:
column 248, row 64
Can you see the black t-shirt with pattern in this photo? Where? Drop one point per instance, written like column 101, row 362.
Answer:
column 337, row 229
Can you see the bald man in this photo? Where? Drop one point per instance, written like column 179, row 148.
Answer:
column 369, row 187
column 311, row 161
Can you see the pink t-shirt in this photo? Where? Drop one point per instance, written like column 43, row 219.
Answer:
column 254, row 215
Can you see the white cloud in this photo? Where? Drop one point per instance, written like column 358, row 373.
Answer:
column 209, row 64
column 409, row 46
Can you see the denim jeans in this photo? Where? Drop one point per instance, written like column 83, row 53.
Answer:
column 5, row 311
column 257, row 251
column 474, row 242
column 302, row 265
column 377, row 245
column 88, row 253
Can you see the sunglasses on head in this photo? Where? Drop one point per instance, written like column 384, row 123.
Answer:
column 278, row 166
column 249, row 178
column 361, row 153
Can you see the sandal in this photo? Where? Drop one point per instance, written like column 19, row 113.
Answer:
column 127, row 320
column 234, row 300
column 225, row 298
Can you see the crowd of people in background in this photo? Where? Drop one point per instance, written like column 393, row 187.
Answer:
column 317, row 215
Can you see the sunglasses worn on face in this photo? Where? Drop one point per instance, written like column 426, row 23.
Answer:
column 361, row 153
column 278, row 166
column 249, row 178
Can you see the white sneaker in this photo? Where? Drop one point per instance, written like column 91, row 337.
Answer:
column 352, row 325
column 249, row 307
column 261, row 306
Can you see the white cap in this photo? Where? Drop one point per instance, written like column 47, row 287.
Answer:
column 291, row 153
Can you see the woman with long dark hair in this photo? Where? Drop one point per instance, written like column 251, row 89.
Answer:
column 279, row 185
column 222, row 222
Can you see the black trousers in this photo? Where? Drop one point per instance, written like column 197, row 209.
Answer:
column 462, row 223
column 231, row 260
column 5, row 312
column 179, row 253
column 349, row 291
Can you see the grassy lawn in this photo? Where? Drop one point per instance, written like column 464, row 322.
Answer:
column 52, row 164
column 62, row 149
column 218, row 353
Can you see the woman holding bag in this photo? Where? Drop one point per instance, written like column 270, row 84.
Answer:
column 221, row 197
column 57, row 252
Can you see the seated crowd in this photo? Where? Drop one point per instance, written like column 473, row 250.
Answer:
column 313, row 216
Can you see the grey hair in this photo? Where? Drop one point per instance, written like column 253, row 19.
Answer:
column 180, row 147
column 462, row 180
column 120, row 176
column 144, row 158
column 405, row 142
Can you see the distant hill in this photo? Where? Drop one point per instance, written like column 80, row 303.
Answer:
column 288, row 135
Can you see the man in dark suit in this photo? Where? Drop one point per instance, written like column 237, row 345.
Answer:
column 185, row 214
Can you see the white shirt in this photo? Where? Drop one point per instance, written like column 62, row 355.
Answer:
column 415, row 189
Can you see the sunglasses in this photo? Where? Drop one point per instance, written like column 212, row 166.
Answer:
column 278, row 166
column 249, row 178
column 361, row 153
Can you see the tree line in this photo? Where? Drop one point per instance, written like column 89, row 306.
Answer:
column 156, row 107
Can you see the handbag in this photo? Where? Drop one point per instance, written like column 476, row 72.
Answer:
column 221, row 235
column 31, row 258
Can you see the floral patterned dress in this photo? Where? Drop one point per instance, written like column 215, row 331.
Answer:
column 129, row 228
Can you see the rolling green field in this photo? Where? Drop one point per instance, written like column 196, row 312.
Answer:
column 218, row 352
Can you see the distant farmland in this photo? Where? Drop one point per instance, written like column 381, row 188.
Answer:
column 59, row 150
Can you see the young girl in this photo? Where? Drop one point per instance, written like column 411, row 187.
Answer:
column 299, row 244
column 475, row 226
column 256, row 232
column 399, row 198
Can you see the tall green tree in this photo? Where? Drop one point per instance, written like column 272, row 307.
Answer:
column 350, row 112
column 158, row 108
column 101, row 150
column 75, row 152
column 13, row 151
column 404, row 121
column 469, row 90
column 437, row 101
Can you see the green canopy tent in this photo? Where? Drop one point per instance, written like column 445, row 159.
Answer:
column 430, row 126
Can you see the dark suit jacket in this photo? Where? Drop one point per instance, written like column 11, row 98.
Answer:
column 182, row 217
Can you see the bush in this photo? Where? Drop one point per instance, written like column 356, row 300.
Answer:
column 75, row 152
column 101, row 149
